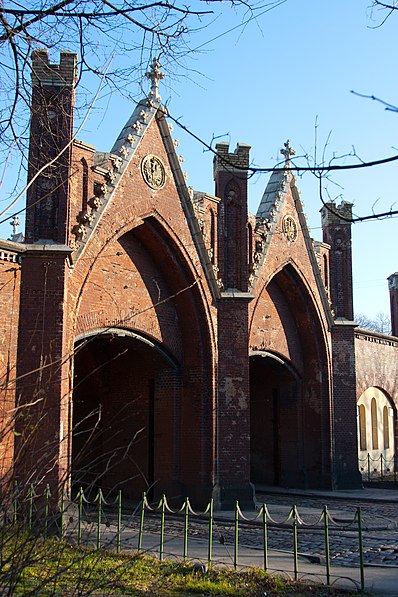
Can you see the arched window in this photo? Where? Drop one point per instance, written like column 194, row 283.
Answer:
column 213, row 236
column 386, row 428
column 362, row 428
column 233, row 237
column 375, row 437
column 325, row 271
column 250, row 243
column 84, row 185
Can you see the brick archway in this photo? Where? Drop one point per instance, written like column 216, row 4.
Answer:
column 142, row 282
column 291, row 387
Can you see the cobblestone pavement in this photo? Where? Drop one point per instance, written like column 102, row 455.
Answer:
column 379, row 524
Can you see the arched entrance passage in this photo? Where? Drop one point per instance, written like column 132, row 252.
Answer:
column 125, row 414
column 274, row 420
column 289, row 382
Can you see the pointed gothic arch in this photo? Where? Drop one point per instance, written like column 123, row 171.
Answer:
column 163, row 304
column 290, row 383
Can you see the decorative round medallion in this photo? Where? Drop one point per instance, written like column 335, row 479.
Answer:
column 153, row 171
column 289, row 228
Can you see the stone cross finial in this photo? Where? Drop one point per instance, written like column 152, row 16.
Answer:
column 155, row 75
column 15, row 223
column 288, row 152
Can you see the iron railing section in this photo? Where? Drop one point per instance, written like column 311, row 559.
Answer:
column 101, row 523
column 379, row 468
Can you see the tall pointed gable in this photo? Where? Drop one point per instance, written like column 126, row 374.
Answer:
column 144, row 152
column 282, row 235
column 109, row 167
column 269, row 210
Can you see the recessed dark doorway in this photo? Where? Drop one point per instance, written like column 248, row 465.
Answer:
column 124, row 407
column 274, row 421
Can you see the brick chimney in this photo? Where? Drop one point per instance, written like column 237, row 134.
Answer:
column 53, row 93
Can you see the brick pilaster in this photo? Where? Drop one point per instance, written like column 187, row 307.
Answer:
column 43, row 369
column 344, row 410
column 233, row 396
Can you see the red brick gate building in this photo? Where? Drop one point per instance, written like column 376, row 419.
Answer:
column 160, row 339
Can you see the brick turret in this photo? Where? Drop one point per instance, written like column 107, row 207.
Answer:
column 336, row 224
column 393, row 288
column 336, row 227
column 45, row 334
column 51, row 130
column 230, row 175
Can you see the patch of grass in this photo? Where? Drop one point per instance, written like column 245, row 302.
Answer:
column 34, row 566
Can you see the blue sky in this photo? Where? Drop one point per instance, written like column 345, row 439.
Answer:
column 272, row 80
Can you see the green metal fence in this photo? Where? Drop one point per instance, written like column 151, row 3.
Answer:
column 85, row 521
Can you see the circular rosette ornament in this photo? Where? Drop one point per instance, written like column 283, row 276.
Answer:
column 153, row 171
column 289, row 228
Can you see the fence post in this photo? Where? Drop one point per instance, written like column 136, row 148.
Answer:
column 186, row 514
column 327, row 548
column 162, row 517
column 361, row 563
column 46, row 509
column 210, row 543
column 30, row 511
column 61, row 530
column 80, row 515
column 265, row 538
column 236, row 534
column 119, row 520
column 381, row 467
column 15, row 503
column 395, row 468
column 99, row 512
column 141, row 530
column 295, row 543
column 368, row 466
